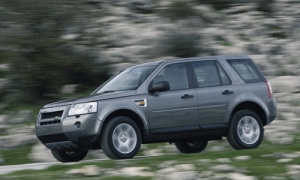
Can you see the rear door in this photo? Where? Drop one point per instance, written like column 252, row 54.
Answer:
column 216, row 93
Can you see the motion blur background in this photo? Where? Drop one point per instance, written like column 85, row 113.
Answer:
column 56, row 49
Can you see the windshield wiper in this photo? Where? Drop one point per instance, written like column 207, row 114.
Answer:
column 109, row 91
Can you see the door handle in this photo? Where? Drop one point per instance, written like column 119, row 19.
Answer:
column 186, row 96
column 226, row 92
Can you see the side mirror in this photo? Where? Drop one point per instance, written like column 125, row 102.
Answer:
column 160, row 86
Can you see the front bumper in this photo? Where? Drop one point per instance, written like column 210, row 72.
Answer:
column 64, row 132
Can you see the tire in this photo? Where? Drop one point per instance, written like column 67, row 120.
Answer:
column 245, row 131
column 121, row 138
column 189, row 148
column 73, row 156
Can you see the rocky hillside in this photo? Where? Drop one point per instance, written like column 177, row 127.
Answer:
column 142, row 30
column 132, row 32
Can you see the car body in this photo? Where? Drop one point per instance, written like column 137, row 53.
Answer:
column 185, row 101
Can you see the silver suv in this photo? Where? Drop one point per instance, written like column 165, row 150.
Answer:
column 187, row 102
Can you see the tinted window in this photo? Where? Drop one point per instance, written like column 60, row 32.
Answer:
column 207, row 73
column 246, row 69
column 224, row 77
column 175, row 74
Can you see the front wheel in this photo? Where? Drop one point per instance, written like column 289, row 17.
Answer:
column 191, row 147
column 246, row 130
column 69, row 156
column 121, row 138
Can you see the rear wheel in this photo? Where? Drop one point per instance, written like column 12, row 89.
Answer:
column 121, row 138
column 69, row 156
column 191, row 147
column 246, row 130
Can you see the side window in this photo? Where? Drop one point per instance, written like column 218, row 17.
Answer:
column 175, row 74
column 224, row 77
column 207, row 73
column 246, row 70
column 210, row 73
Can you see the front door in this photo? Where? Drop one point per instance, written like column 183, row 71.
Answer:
column 174, row 110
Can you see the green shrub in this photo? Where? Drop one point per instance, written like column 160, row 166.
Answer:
column 179, row 10
column 41, row 73
column 265, row 5
column 218, row 4
column 180, row 44
column 41, row 61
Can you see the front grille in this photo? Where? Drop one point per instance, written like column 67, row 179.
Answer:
column 53, row 138
column 52, row 115
column 49, row 122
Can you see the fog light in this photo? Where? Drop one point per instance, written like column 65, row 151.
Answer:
column 77, row 125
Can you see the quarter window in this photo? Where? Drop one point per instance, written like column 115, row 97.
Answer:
column 247, row 70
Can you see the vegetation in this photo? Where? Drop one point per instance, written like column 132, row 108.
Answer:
column 41, row 62
column 179, row 10
column 261, row 163
column 180, row 44
column 265, row 5
column 218, row 4
column 17, row 156
column 262, row 5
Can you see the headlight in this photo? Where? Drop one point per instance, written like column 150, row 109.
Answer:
column 83, row 108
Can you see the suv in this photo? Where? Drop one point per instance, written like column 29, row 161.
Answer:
column 184, row 101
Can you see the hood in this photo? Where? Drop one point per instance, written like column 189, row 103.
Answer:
column 90, row 98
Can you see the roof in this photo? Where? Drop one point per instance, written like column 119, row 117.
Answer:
column 220, row 57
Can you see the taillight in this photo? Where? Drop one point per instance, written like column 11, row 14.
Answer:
column 270, row 91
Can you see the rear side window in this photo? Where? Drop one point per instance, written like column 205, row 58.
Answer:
column 247, row 70
column 224, row 77
column 210, row 73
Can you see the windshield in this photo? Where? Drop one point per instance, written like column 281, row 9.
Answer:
column 129, row 79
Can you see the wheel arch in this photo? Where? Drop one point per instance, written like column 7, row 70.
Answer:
column 253, row 106
column 130, row 114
